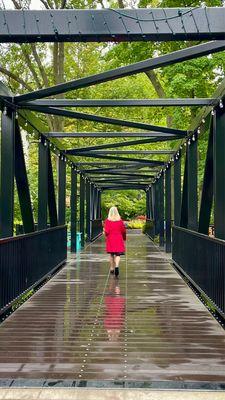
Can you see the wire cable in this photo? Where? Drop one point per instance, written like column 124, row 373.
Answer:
column 180, row 15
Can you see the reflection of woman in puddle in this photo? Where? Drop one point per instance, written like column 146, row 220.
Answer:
column 114, row 315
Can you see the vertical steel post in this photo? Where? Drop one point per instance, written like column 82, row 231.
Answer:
column 82, row 210
column 168, row 209
column 42, row 185
column 161, row 210
column 95, row 201
column 177, row 191
column 52, row 209
column 219, row 174
column 22, row 184
column 99, row 213
column 147, row 204
column 7, row 173
column 207, row 189
column 156, row 205
column 88, row 210
column 184, row 201
column 61, row 191
column 192, row 150
column 73, row 208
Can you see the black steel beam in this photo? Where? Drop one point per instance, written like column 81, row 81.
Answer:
column 161, row 211
column 113, row 166
column 177, row 191
column 110, row 146
column 22, row 183
column 183, row 102
column 184, row 200
column 116, row 167
column 168, row 209
column 192, row 186
column 114, row 25
column 70, row 135
column 151, row 203
column 88, row 210
column 73, row 208
column 106, row 120
column 207, row 188
column 119, row 175
column 42, row 185
column 103, row 156
column 61, row 191
column 142, row 66
column 82, row 210
column 219, row 175
column 139, row 152
column 7, row 174
column 51, row 194
column 123, row 180
column 123, row 188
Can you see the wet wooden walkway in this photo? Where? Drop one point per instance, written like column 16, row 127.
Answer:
column 85, row 325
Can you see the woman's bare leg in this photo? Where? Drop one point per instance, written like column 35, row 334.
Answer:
column 117, row 262
column 112, row 263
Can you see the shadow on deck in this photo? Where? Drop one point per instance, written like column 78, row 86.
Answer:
column 146, row 328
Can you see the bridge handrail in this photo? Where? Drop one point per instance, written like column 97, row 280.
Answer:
column 201, row 258
column 27, row 260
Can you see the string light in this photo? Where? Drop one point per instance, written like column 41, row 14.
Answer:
column 189, row 142
column 16, row 115
column 5, row 111
column 199, row 130
column 203, row 120
column 212, row 112
column 193, row 138
column 221, row 104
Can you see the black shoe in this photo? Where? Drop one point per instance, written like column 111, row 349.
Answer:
column 117, row 271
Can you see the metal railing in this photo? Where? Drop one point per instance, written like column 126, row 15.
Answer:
column 28, row 259
column 202, row 260
column 96, row 228
column 150, row 228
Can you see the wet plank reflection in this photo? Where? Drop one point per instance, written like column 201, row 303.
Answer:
column 85, row 324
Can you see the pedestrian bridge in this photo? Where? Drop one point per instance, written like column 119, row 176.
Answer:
column 82, row 327
column 85, row 327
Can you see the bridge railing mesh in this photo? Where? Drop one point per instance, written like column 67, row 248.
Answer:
column 26, row 260
column 202, row 259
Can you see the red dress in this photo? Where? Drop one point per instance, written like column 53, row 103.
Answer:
column 115, row 233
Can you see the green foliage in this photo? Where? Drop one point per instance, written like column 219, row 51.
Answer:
column 135, row 224
column 24, row 297
column 130, row 203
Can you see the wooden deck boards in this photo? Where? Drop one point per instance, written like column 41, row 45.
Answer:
column 86, row 325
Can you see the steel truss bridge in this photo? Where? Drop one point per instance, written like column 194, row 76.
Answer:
column 176, row 211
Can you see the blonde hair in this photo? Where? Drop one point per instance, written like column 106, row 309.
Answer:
column 114, row 214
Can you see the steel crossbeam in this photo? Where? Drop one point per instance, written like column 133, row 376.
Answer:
column 104, row 156
column 69, row 135
column 113, row 121
column 183, row 102
column 132, row 69
column 111, row 145
column 114, row 25
column 139, row 152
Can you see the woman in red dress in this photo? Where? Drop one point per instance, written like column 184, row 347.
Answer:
column 115, row 234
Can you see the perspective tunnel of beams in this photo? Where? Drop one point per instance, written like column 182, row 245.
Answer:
column 115, row 170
